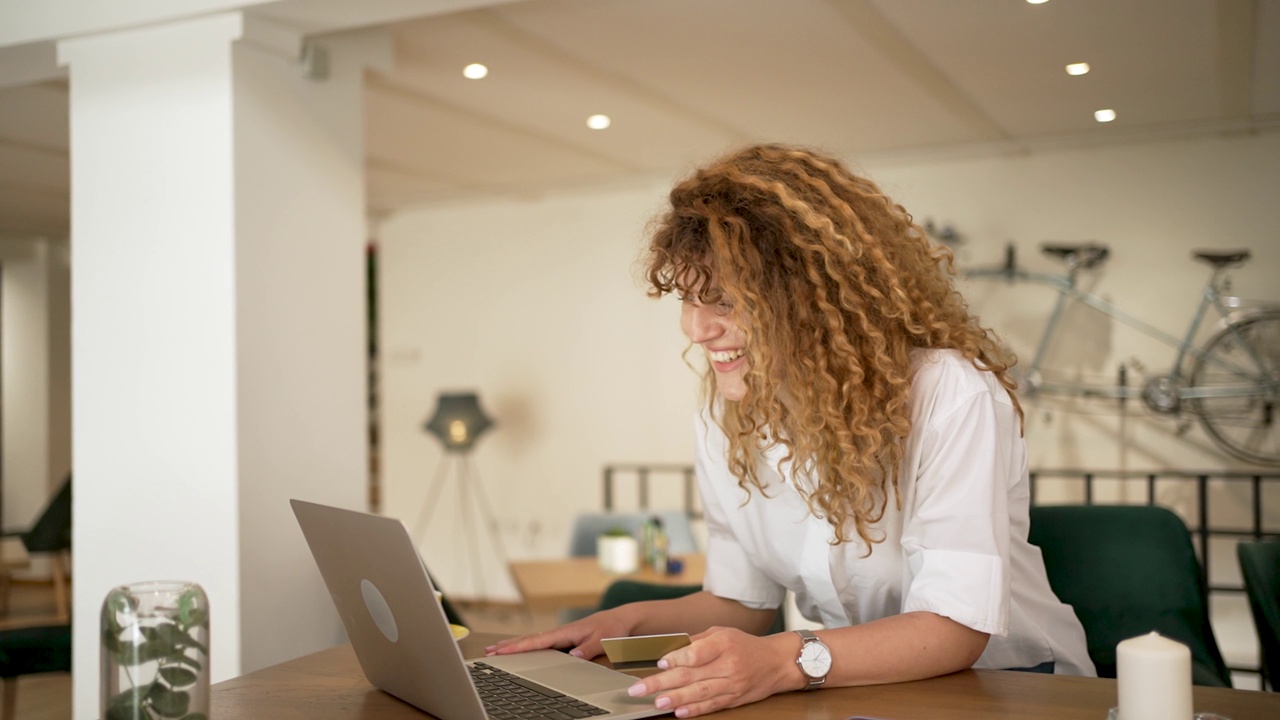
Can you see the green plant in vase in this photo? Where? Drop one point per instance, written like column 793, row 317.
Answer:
column 155, row 652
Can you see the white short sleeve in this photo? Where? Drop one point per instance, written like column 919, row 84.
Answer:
column 955, row 485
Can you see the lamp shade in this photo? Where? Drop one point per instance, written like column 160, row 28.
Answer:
column 458, row 420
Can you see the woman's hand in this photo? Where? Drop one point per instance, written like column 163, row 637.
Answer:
column 581, row 637
column 723, row 668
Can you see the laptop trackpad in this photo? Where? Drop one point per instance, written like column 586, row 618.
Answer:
column 579, row 678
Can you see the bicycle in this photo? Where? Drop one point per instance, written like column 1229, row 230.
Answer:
column 1230, row 383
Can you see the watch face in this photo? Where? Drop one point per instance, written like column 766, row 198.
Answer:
column 815, row 660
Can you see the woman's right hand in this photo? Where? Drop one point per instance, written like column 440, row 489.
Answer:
column 581, row 637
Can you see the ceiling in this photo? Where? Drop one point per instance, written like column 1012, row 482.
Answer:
column 685, row 79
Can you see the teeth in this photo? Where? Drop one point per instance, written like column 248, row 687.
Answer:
column 724, row 356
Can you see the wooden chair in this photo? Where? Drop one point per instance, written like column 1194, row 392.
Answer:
column 50, row 536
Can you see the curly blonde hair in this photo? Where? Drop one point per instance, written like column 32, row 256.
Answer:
column 834, row 287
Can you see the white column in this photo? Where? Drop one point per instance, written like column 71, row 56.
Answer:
column 303, row 420
column 217, row 299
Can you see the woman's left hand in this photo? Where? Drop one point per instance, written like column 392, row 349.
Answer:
column 723, row 668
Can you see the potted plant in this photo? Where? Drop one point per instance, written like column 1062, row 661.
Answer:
column 155, row 652
column 618, row 551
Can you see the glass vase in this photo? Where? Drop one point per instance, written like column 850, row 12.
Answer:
column 155, row 652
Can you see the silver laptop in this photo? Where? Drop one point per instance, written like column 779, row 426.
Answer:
column 405, row 647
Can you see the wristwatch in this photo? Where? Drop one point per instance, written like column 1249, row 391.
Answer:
column 814, row 659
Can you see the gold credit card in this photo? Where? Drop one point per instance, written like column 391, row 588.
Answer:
column 642, row 649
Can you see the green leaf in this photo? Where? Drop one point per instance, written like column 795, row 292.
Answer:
column 188, row 660
column 122, row 712
column 175, row 636
column 198, row 617
column 152, row 650
column 177, row 676
column 168, row 703
column 128, row 653
column 128, row 705
column 191, row 611
column 120, row 602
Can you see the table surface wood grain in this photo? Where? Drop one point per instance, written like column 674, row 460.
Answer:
column 329, row 685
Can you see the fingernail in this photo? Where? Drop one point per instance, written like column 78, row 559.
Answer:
column 663, row 665
column 663, row 703
column 636, row 690
column 682, row 712
column 576, row 653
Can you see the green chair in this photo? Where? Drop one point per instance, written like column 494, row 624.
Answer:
column 621, row 592
column 1128, row 570
column 1260, row 566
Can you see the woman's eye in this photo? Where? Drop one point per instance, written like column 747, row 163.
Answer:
column 724, row 307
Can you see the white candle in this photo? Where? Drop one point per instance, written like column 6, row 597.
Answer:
column 1153, row 674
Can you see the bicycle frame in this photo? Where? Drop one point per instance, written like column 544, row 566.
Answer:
column 1066, row 289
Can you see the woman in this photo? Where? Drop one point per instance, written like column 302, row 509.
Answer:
column 861, row 446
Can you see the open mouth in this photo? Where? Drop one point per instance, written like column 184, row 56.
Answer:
column 722, row 358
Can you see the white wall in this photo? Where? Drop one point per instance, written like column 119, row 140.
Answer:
column 532, row 302
column 534, row 305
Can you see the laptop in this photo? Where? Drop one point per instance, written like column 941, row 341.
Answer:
column 406, row 648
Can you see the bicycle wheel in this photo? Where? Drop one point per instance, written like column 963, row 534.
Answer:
column 1235, row 387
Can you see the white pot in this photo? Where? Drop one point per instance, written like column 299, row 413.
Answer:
column 618, row 553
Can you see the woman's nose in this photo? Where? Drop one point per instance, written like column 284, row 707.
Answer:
column 702, row 323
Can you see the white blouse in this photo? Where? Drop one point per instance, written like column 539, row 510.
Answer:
column 957, row 547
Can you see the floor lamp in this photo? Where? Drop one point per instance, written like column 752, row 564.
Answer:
column 458, row 421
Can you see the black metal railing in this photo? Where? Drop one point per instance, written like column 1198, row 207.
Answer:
column 639, row 476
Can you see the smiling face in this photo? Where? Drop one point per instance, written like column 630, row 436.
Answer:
column 712, row 326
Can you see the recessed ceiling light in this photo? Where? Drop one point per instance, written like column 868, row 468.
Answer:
column 1037, row 2
column 598, row 122
column 1104, row 115
column 475, row 71
column 1077, row 68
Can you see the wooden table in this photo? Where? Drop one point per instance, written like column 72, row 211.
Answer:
column 579, row 582
column 329, row 685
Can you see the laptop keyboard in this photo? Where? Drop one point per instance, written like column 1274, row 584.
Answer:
column 509, row 697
